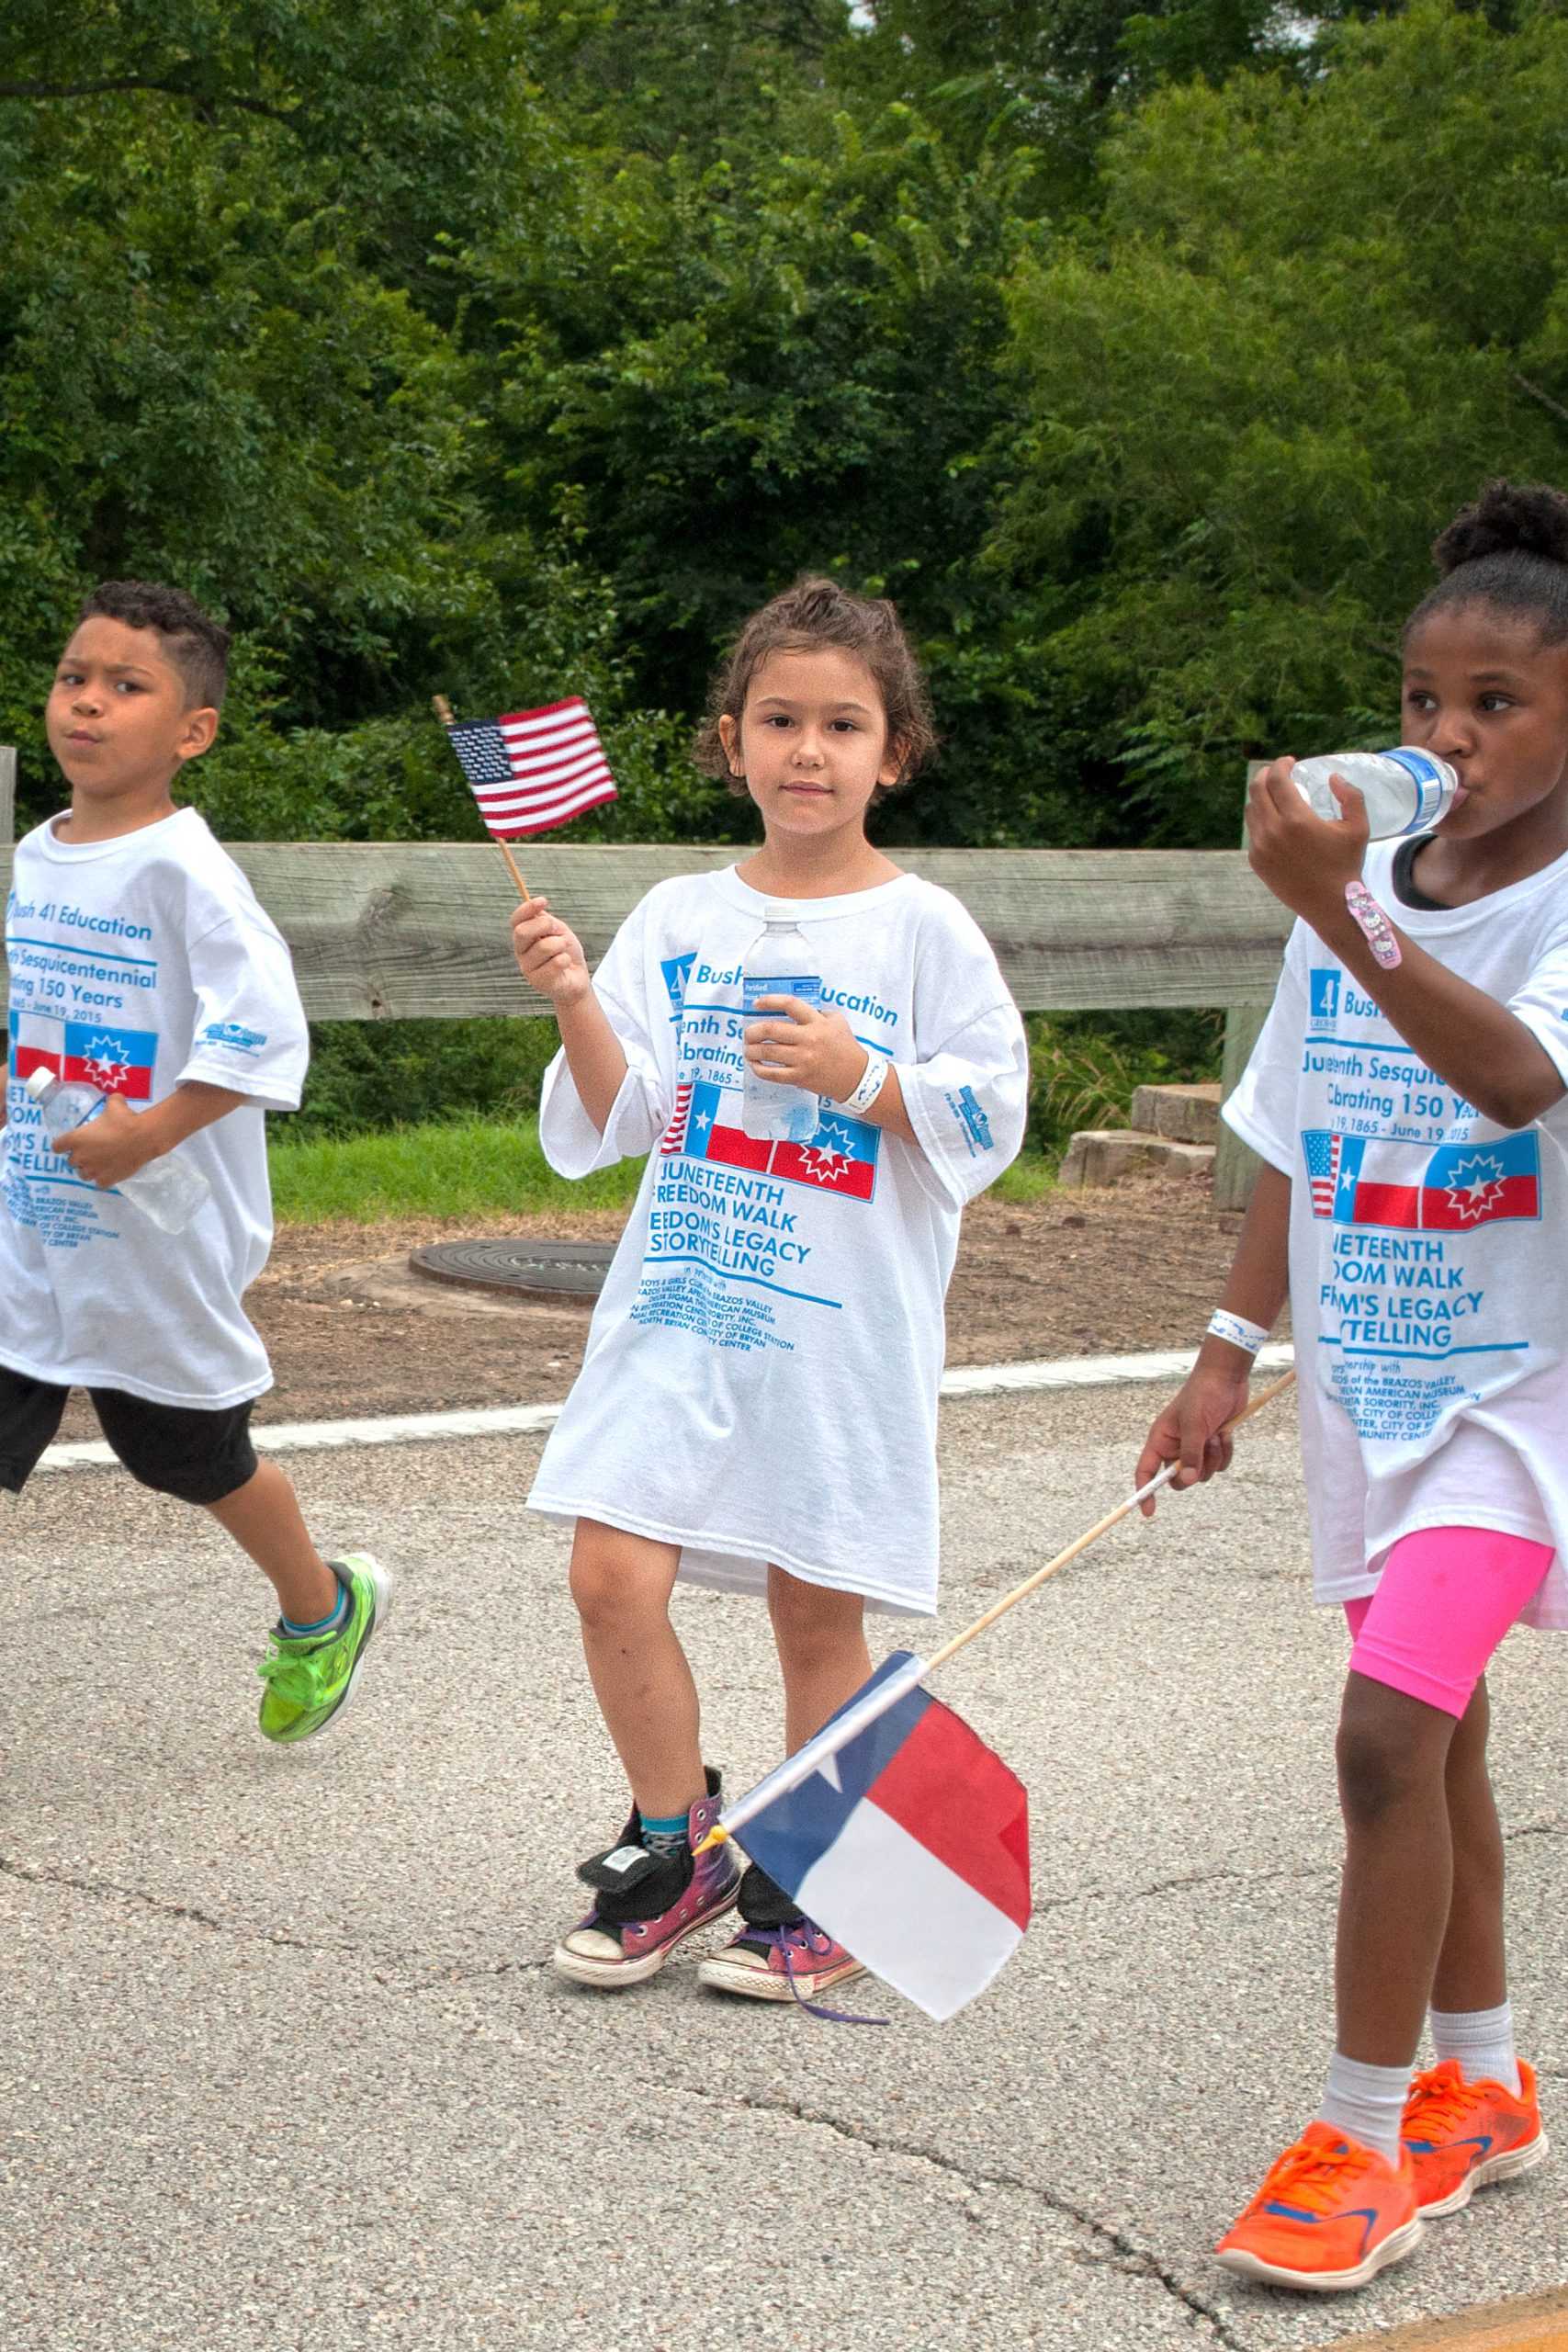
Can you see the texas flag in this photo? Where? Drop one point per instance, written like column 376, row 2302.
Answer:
column 1357, row 1180
column 115, row 1060
column 38, row 1042
column 909, row 1842
column 841, row 1157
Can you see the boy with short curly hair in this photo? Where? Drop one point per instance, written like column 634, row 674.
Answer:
column 140, row 962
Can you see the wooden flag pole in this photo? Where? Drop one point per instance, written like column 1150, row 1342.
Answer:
column 442, row 710
column 1030, row 1584
column 838, row 1733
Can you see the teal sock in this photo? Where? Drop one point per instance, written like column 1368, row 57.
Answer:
column 327, row 1624
column 664, row 1834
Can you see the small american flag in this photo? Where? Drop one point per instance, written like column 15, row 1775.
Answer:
column 1322, row 1151
column 534, row 769
column 674, row 1135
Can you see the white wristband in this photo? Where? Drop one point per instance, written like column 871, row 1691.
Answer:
column 873, row 1080
column 1236, row 1330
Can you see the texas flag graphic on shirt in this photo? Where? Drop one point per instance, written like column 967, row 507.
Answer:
column 115, row 1060
column 841, row 1157
column 1354, row 1180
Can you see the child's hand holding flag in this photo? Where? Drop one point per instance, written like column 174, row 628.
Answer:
column 550, row 955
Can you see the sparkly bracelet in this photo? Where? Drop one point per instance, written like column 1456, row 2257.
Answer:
column 873, row 1080
column 1236, row 1329
column 1369, row 916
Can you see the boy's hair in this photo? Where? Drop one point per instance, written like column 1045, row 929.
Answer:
column 1509, row 550
column 193, row 643
column 816, row 615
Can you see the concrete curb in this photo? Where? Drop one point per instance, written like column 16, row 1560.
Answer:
column 526, row 1420
column 1538, row 2324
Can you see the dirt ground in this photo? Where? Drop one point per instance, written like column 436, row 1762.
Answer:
column 351, row 1329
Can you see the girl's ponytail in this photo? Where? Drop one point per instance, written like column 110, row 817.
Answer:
column 1507, row 549
column 1528, row 517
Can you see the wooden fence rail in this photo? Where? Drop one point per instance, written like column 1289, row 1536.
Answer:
column 389, row 931
column 395, row 932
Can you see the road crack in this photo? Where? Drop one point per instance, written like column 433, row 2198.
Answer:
column 104, row 1890
column 1543, row 1825
column 1122, row 2252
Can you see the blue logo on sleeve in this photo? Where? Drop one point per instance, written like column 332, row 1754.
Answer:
column 965, row 1107
column 234, row 1035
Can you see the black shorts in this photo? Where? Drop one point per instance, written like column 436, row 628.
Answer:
column 197, row 1455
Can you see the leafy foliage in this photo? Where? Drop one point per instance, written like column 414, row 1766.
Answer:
column 519, row 347
column 1311, row 322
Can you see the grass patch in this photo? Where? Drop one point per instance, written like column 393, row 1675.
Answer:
column 1029, row 1178
column 474, row 1168
column 454, row 1168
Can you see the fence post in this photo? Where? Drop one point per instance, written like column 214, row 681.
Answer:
column 1236, row 1163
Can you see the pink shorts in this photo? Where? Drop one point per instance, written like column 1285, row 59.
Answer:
column 1446, row 1597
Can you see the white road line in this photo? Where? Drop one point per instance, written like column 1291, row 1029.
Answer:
column 524, row 1420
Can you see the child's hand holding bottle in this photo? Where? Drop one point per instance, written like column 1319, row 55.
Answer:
column 1306, row 860
column 798, row 1045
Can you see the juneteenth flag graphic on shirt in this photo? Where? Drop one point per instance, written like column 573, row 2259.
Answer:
column 910, row 1845
column 1354, row 1180
column 117, row 1061
column 841, row 1157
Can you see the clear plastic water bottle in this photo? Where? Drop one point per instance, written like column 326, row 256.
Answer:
column 1405, row 791
column 778, row 963
column 168, row 1191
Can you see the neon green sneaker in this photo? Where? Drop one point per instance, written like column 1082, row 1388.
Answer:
column 310, row 1680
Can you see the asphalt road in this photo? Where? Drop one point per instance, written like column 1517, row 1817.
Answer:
column 282, row 2064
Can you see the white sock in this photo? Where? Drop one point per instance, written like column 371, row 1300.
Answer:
column 1482, row 2041
column 1366, row 2102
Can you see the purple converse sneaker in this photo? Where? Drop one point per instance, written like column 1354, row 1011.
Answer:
column 778, row 1955
column 781, row 1964
column 645, row 1903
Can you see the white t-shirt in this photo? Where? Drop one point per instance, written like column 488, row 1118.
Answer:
column 135, row 964
column 1428, row 1247
column 761, row 1373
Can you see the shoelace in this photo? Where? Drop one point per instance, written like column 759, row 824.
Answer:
column 800, row 1940
column 294, row 1676
column 1309, row 2174
column 1439, row 2101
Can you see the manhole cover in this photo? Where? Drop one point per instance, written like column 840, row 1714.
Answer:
column 552, row 1269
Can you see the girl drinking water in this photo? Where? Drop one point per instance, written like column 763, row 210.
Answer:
column 757, row 1405
column 1407, row 1099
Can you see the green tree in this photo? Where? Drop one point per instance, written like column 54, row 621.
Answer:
column 784, row 359
column 1058, row 72
column 1312, row 321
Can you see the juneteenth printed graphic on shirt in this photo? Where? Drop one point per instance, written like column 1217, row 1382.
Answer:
column 1354, row 1181
column 117, row 1061
column 135, row 964
column 760, row 1378
column 1429, row 1260
column 841, row 1157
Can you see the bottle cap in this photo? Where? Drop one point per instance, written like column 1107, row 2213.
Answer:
column 37, row 1082
column 773, row 912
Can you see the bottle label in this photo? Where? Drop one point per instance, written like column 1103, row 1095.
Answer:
column 1431, row 788
column 805, row 985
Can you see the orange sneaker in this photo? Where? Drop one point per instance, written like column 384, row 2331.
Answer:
column 1460, row 2135
column 1329, row 2216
